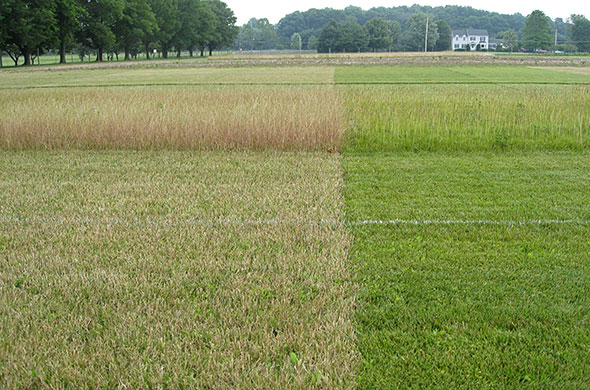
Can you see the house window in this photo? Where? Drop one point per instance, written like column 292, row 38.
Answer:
column 482, row 39
column 472, row 38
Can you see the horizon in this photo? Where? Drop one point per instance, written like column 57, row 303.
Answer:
column 276, row 11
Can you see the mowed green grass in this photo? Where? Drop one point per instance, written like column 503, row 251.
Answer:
column 134, row 76
column 173, row 269
column 490, row 304
column 461, row 74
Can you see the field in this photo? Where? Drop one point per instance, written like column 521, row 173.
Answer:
column 295, row 226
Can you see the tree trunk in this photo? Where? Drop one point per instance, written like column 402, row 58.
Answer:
column 62, row 52
column 202, row 52
column 99, row 55
column 0, row 58
column 27, row 55
column 210, row 52
column 190, row 51
column 164, row 51
column 127, row 56
column 147, row 53
column 178, row 54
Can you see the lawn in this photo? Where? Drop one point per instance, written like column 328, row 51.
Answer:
column 154, row 76
column 463, row 74
column 139, row 269
column 478, row 277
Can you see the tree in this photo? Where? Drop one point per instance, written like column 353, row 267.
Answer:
column 580, row 32
column 329, row 38
column 205, row 23
column 137, row 21
column 509, row 39
column 97, row 24
column 395, row 32
column 224, row 31
column 168, row 19
column 28, row 26
column 196, row 25
column 296, row 41
column 537, row 33
column 379, row 35
column 444, row 36
column 247, row 37
column 416, row 31
column 312, row 43
column 67, row 14
column 353, row 38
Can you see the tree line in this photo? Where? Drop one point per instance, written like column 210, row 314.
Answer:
column 378, row 34
column 32, row 27
column 404, row 28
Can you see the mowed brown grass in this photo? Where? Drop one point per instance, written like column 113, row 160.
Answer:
column 197, row 270
column 176, row 118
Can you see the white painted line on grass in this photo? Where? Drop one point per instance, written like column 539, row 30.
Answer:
column 167, row 222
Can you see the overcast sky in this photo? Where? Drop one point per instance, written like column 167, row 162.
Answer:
column 274, row 10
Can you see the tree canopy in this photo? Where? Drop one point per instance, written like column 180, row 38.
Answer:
column 537, row 32
column 29, row 27
column 415, row 36
column 580, row 32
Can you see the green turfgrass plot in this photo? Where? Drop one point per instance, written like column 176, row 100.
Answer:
column 173, row 269
column 165, row 76
column 462, row 74
column 471, row 304
column 467, row 117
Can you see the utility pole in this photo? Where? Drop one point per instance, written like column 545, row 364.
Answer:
column 555, row 37
column 426, row 36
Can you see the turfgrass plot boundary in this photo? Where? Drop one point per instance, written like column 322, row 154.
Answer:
column 163, row 222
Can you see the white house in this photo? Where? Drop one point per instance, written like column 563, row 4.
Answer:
column 472, row 38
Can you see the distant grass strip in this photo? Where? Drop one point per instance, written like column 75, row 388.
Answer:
column 453, row 118
column 455, row 74
column 145, row 304
column 471, row 305
column 168, row 76
column 176, row 118
column 172, row 84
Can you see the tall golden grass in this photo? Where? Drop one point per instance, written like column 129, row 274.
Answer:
column 184, row 118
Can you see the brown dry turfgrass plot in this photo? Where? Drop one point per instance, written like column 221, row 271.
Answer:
column 189, row 118
column 134, row 269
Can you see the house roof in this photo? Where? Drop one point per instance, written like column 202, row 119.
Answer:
column 469, row 32
column 496, row 40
